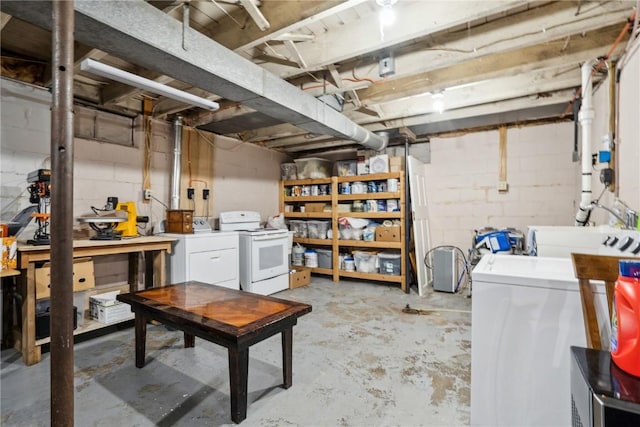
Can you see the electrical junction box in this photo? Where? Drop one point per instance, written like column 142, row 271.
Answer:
column 386, row 66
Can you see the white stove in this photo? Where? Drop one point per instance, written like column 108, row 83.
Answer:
column 264, row 261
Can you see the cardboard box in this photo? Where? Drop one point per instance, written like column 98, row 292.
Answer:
column 388, row 234
column 396, row 164
column 106, row 309
column 83, row 277
column 301, row 276
column 314, row 207
column 9, row 251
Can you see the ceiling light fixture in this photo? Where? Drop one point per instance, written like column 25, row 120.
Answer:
column 437, row 99
column 100, row 69
column 386, row 15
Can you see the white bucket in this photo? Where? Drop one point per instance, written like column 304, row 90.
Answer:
column 311, row 258
column 298, row 255
column 349, row 264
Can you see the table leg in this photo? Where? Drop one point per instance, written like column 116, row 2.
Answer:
column 141, row 338
column 189, row 340
column 238, row 378
column 287, row 357
column 30, row 352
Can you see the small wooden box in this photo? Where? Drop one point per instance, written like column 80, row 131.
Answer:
column 314, row 207
column 300, row 277
column 388, row 234
column 179, row 221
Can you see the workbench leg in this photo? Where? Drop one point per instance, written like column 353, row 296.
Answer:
column 238, row 379
column 189, row 340
column 30, row 352
column 287, row 357
column 134, row 271
column 155, row 269
column 141, row 339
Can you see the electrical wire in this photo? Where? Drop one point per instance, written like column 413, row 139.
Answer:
column 465, row 265
column 602, row 60
column 160, row 201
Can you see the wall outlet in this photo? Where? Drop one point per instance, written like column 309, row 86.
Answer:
column 503, row 186
column 146, row 194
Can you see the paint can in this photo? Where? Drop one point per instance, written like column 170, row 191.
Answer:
column 349, row 264
column 298, row 255
column 392, row 185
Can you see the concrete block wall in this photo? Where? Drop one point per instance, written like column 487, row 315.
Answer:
column 463, row 176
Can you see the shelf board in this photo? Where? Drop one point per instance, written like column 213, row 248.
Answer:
column 307, row 181
column 367, row 244
column 297, row 199
column 323, row 242
column 307, row 214
column 372, row 177
column 369, row 196
column 387, row 215
column 88, row 326
column 371, row 276
column 322, row 271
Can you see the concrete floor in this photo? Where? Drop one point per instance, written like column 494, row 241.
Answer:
column 357, row 360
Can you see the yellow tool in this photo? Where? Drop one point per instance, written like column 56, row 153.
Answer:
column 128, row 228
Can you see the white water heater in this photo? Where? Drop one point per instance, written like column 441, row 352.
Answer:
column 445, row 270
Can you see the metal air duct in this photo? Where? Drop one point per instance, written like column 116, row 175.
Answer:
column 141, row 34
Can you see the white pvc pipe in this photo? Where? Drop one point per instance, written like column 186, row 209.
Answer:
column 586, row 116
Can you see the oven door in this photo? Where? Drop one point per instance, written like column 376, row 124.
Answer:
column 269, row 256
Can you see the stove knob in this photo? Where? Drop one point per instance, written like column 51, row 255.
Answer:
column 612, row 241
column 625, row 243
column 636, row 250
column 606, row 241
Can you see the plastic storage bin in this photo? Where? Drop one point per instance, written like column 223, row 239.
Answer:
column 313, row 167
column 365, row 261
column 317, row 229
column 389, row 263
column 288, row 171
column 346, row 167
column 299, row 228
column 325, row 258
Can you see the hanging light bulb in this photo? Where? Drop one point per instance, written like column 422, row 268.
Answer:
column 437, row 98
column 387, row 15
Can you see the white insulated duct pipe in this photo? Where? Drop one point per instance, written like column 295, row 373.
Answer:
column 175, row 173
column 586, row 116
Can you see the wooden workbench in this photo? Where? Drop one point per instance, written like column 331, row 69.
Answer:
column 154, row 248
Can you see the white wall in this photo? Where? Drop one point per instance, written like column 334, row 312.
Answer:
column 464, row 173
column 245, row 176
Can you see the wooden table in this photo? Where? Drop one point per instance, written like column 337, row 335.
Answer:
column 154, row 248
column 228, row 317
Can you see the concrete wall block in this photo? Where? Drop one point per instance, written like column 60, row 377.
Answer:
column 26, row 115
column 495, row 196
column 95, row 170
column 130, row 174
column 483, row 180
column 29, row 140
column 472, row 195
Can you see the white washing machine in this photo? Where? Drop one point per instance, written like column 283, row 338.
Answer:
column 526, row 313
column 208, row 257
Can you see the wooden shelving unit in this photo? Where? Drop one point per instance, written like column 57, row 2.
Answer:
column 290, row 204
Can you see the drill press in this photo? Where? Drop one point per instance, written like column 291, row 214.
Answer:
column 40, row 193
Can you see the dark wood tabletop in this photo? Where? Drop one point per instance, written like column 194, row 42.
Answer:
column 231, row 312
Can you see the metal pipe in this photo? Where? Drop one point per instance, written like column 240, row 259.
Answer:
column 175, row 174
column 62, row 400
column 407, row 217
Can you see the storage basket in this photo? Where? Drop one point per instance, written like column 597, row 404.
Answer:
column 389, row 263
column 299, row 228
column 313, row 167
column 317, row 229
column 365, row 261
column 325, row 258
